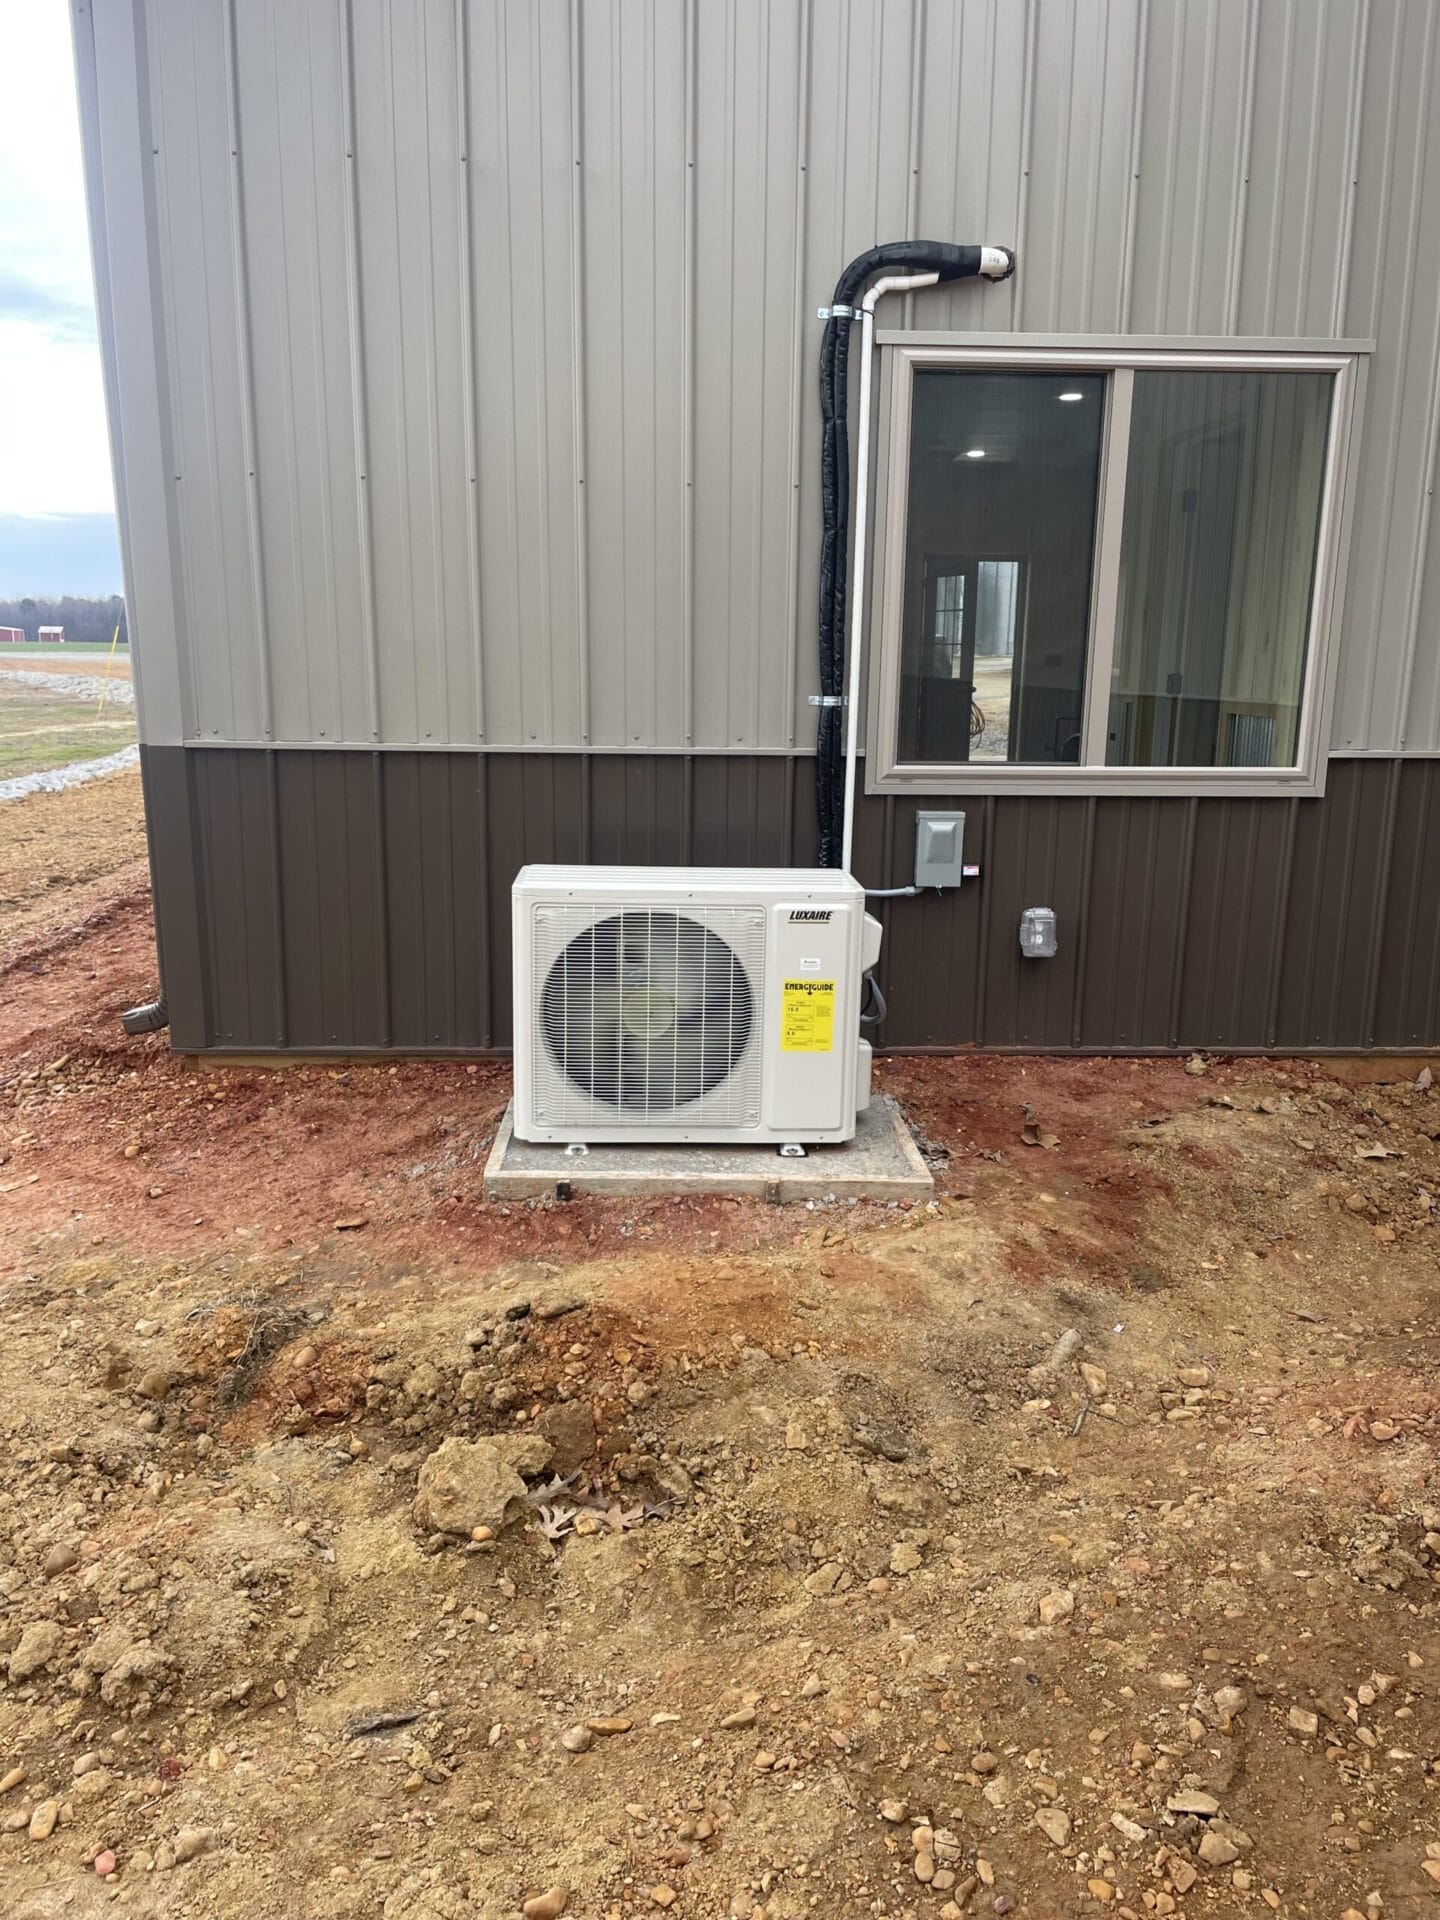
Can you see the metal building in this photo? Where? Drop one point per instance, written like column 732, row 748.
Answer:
column 461, row 366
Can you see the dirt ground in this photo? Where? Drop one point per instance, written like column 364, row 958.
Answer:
column 1070, row 1544
column 64, row 858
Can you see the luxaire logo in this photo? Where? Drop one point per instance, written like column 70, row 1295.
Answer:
column 810, row 913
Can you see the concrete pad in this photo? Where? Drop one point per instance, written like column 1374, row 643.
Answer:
column 882, row 1162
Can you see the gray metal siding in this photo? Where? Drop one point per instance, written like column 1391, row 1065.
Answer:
column 366, row 899
column 461, row 351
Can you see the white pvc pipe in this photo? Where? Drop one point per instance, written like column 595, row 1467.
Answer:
column 896, row 283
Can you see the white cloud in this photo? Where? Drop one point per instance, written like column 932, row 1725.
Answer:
column 52, row 424
column 53, row 450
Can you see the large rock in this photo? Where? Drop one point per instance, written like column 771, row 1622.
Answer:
column 467, row 1484
column 142, row 1668
column 39, row 1645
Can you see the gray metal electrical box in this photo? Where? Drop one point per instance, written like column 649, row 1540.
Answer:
column 939, row 849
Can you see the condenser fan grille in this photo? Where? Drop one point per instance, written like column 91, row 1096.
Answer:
column 649, row 1013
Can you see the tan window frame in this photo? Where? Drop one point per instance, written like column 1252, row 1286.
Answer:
column 903, row 354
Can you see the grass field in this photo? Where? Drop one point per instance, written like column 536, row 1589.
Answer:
column 28, row 649
column 40, row 729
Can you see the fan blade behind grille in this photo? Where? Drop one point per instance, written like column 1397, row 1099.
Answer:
column 647, row 1011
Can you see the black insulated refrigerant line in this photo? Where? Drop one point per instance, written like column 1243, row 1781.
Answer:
column 947, row 262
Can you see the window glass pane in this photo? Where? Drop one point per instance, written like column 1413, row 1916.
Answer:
column 1217, row 567
column 1004, row 477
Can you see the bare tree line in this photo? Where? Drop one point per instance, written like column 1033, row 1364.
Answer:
column 91, row 620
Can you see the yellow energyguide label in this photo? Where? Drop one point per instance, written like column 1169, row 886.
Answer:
column 807, row 1016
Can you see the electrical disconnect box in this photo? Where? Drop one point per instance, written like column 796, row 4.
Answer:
column 939, row 849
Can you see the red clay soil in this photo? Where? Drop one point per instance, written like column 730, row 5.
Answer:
column 1079, row 1525
column 158, row 1151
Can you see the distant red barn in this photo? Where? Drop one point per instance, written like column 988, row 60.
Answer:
column 11, row 636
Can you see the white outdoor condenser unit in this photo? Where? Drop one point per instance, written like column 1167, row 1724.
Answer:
column 708, row 1005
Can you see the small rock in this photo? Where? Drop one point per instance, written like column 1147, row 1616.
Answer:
column 60, row 1559
column 795, row 1438
column 741, row 1717
column 905, row 1557
column 1231, row 1701
column 547, row 1906
column 1131, row 1829
column 924, row 1868
column 1057, row 1606
column 577, row 1739
column 1193, row 1376
column 569, row 1426
column 42, row 1820
column 1096, row 1379
column 1182, row 1876
column 984, row 1762
column 104, row 1863
column 1191, row 1800
column 1054, row 1823
column 894, row 1811
column 1216, row 1851
column 9, row 1781
column 1100, row 1890
column 1302, row 1720
column 154, row 1384
column 190, row 1842
column 824, row 1579
column 663, row 1896
column 609, row 1726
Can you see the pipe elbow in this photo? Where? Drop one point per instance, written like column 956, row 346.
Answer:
column 151, row 1017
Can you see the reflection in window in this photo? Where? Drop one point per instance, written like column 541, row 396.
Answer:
column 1000, row 531
column 1217, row 567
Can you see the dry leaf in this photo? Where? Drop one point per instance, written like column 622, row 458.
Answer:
column 557, row 1522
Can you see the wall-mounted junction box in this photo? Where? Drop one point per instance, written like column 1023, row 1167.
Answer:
column 939, row 849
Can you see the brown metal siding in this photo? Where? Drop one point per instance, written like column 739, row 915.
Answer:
column 355, row 901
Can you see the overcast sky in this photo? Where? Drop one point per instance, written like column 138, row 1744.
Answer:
column 53, row 453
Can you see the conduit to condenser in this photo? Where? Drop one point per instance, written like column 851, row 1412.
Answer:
column 916, row 263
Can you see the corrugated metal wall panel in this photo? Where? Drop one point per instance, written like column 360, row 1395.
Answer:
column 526, row 293
column 310, row 544
column 202, row 278
column 636, row 97
column 366, row 903
column 409, row 199
column 510, row 306
column 1407, row 987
